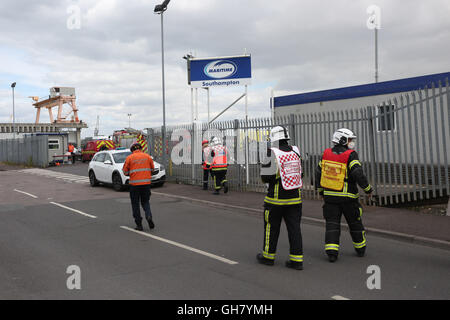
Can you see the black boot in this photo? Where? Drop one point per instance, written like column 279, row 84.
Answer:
column 360, row 252
column 294, row 265
column 225, row 187
column 139, row 227
column 261, row 259
column 151, row 225
column 332, row 257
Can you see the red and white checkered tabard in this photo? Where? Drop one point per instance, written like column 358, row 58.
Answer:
column 290, row 168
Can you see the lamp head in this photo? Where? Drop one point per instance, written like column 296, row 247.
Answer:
column 160, row 8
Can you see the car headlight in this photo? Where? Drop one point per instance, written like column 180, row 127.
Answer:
column 161, row 168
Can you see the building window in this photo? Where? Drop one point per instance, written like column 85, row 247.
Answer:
column 386, row 118
column 53, row 144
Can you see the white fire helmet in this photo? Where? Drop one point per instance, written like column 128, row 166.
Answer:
column 341, row 136
column 279, row 133
column 214, row 141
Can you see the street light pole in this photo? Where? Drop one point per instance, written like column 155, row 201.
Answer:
column 129, row 120
column 13, row 85
column 159, row 9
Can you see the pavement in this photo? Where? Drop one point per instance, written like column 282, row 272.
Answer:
column 401, row 224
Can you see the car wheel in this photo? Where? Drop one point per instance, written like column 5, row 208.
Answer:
column 92, row 179
column 117, row 182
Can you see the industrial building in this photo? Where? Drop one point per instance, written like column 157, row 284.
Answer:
column 353, row 97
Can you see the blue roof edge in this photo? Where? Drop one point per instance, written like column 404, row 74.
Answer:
column 365, row 90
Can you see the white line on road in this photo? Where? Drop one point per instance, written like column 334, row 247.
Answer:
column 28, row 194
column 210, row 255
column 339, row 298
column 74, row 210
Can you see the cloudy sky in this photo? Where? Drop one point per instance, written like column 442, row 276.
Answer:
column 112, row 54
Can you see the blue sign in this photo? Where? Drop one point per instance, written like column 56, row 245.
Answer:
column 220, row 72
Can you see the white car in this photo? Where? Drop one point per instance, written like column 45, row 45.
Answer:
column 106, row 167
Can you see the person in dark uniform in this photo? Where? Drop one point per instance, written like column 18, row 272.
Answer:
column 283, row 200
column 337, row 176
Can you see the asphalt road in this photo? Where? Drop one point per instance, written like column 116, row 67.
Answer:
column 195, row 252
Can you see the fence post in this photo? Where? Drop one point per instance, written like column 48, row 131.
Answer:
column 150, row 140
column 292, row 129
column 236, row 152
column 372, row 149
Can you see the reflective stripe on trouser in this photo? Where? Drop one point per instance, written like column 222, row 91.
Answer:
column 272, row 223
column 218, row 178
column 352, row 212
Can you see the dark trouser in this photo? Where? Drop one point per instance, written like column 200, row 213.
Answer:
column 352, row 211
column 140, row 195
column 292, row 215
column 219, row 178
column 205, row 178
column 73, row 158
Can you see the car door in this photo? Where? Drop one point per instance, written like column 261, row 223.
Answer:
column 107, row 168
column 99, row 166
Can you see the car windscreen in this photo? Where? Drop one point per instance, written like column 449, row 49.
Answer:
column 120, row 156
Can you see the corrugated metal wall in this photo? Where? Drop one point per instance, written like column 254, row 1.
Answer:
column 32, row 150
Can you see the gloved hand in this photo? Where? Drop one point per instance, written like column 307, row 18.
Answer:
column 320, row 191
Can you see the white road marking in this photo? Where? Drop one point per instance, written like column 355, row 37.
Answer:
column 339, row 298
column 210, row 255
column 58, row 175
column 74, row 210
column 28, row 194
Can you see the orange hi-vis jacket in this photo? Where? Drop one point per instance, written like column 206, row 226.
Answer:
column 139, row 166
column 219, row 158
column 71, row 148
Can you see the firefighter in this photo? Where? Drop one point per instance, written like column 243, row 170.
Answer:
column 205, row 154
column 283, row 200
column 217, row 163
column 337, row 176
column 138, row 166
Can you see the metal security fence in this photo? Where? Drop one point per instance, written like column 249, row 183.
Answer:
column 402, row 145
column 32, row 151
